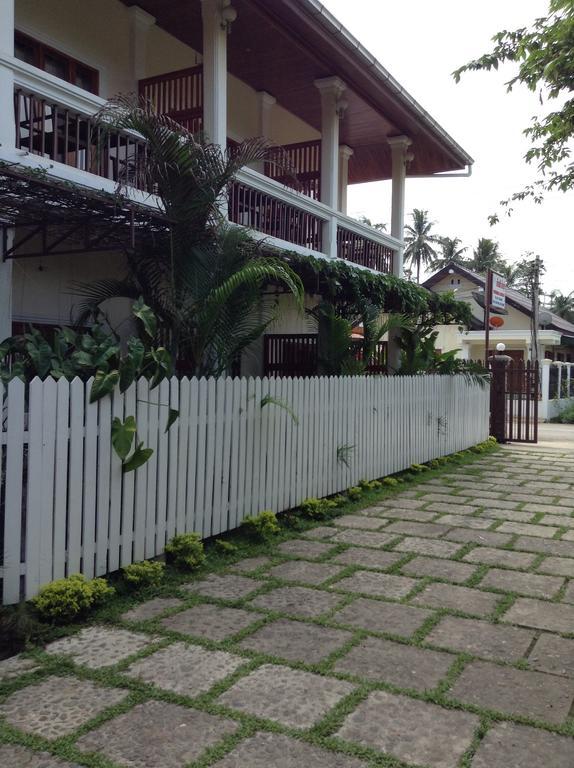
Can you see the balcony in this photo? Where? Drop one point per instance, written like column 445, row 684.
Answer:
column 55, row 121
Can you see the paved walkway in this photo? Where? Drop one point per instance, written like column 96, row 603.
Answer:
column 436, row 629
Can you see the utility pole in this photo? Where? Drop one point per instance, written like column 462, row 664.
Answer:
column 487, row 303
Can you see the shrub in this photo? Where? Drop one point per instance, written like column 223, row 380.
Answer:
column 354, row 493
column 338, row 500
column 318, row 509
column 419, row 468
column 565, row 416
column 434, row 464
column 262, row 526
column 149, row 573
column 65, row 599
column 185, row 551
column 389, row 481
column 225, row 547
column 369, row 485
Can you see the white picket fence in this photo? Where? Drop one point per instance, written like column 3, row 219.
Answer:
column 67, row 507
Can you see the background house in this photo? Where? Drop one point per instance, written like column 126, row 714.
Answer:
column 556, row 335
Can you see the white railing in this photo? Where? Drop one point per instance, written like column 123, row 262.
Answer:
column 233, row 451
column 557, row 385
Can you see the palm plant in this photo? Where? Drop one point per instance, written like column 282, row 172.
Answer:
column 486, row 256
column 563, row 305
column 451, row 253
column 419, row 241
column 202, row 277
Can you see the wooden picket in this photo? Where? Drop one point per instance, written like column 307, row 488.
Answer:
column 239, row 446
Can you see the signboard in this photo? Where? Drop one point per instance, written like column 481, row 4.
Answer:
column 498, row 291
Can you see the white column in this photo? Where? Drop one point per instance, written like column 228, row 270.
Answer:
column 7, row 140
column 140, row 24
column 265, row 103
column 215, row 71
column 345, row 154
column 399, row 146
column 545, row 389
column 331, row 90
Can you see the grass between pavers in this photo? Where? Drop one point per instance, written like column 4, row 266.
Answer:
column 323, row 733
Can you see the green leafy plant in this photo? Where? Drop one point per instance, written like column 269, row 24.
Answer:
column 354, row 493
column 318, row 509
column 262, row 526
column 418, row 468
column 185, row 551
column 269, row 400
column 148, row 573
column 66, row 599
column 369, row 485
column 389, row 481
column 225, row 547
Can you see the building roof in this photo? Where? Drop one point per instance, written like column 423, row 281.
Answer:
column 283, row 46
column 514, row 298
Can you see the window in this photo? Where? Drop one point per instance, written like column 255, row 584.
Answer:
column 58, row 64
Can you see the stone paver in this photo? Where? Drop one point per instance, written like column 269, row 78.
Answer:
column 368, row 558
column 524, row 529
column 402, row 665
column 459, row 521
column 360, row 521
column 378, row 616
column 484, row 538
column 452, row 508
column 157, row 734
column 96, row 647
column 321, row 532
column 363, row 538
column 519, row 746
column 515, row 692
column 531, row 584
column 431, row 530
column 302, row 548
column 516, row 515
column 16, row 666
column 298, row 601
column 296, row 641
column 301, row 570
column 273, row 750
column 378, row 584
column 541, row 615
column 568, row 536
column 480, row 638
column 399, row 501
column 228, row 587
column 288, row 696
column 503, row 557
column 553, row 654
column 250, row 564
column 16, row 756
column 560, row 521
column 185, row 669
column 545, row 546
column 57, row 706
column 212, row 622
column 151, row 609
column 397, row 513
column 568, row 596
column 413, row 731
column 456, row 598
column 430, row 547
column 439, row 569
column 557, row 566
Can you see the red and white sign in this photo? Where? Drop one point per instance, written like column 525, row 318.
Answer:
column 498, row 292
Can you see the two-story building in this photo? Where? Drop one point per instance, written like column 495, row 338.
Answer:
column 286, row 70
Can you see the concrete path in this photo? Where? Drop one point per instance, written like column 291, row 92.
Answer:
column 435, row 629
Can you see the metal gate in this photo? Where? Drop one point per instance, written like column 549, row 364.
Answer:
column 514, row 396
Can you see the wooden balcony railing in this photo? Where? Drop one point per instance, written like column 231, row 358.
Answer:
column 364, row 250
column 296, row 354
column 65, row 136
column 303, row 161
column 178, row 95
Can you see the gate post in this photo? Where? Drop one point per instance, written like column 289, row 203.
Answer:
column 498, row 365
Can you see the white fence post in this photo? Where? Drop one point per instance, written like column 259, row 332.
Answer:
column 238, row 447
column 545, row 390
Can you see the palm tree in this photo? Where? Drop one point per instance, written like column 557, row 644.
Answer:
column 202, row 278
column 419, row 241
column 486, row 255
column 451, row 253
column 563, row 305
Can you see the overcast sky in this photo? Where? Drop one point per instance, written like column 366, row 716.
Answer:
column 420, row 43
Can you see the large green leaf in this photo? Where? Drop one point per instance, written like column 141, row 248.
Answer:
column 146, row 315
column 40, row 353
column 103, row 384
column 171, row 418
column 138, row 458
column 123, row 433
column 131, row 364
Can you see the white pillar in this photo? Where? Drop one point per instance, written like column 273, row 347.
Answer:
column 399, row 146
column 543, row 408
column 345, row 154
column 265, row 103
column 7, row 140
column 331, row 90
column 215, row 71
column 140, row 24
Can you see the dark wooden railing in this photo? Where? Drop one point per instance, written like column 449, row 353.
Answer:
column 296, row 354
column 177, row 94
column 268, row 214
column 65, row 136
column 298, row 166
column 364, row 251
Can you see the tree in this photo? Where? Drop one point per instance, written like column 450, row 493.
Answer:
column 202, row 278
column 451, row 253
column 419, row 241
column 562, row 305
column 486, row 255
column 542, row 55
column 379, row 225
